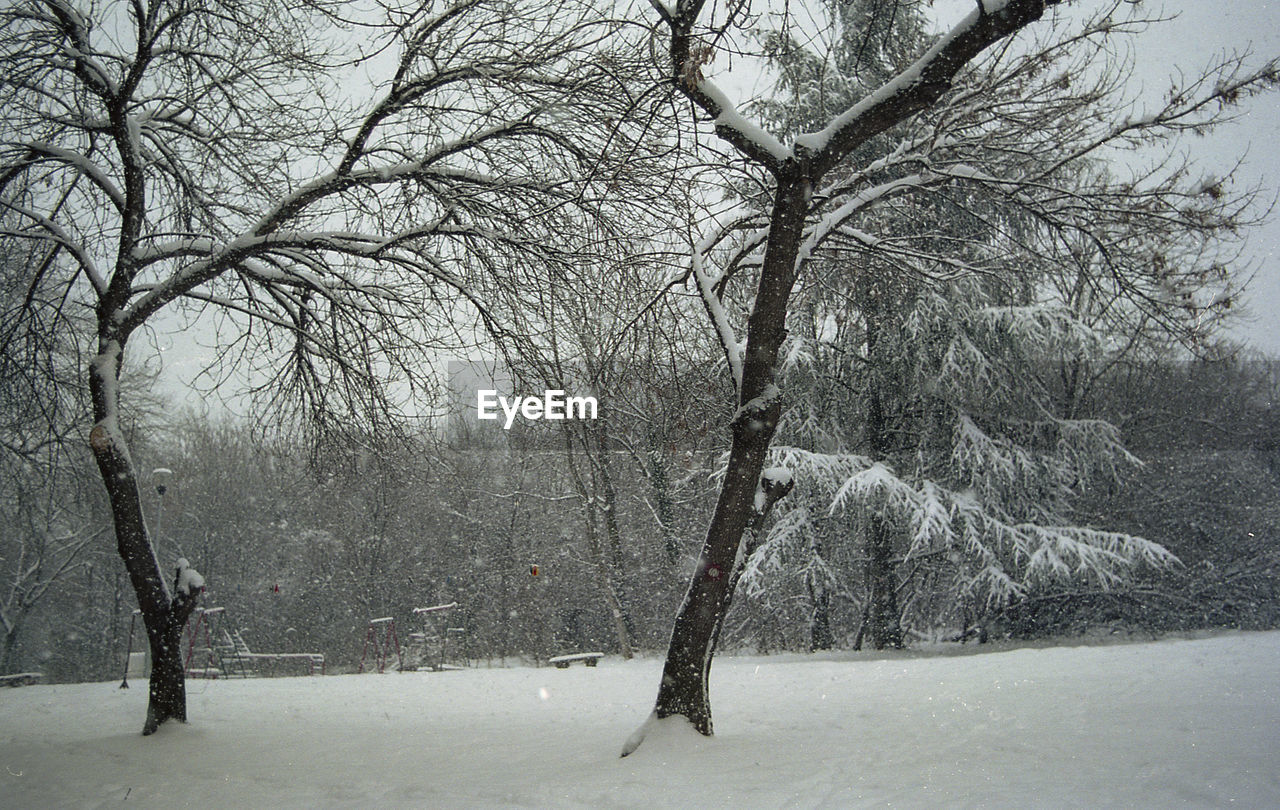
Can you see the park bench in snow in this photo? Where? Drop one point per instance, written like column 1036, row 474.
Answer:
column 225, row 654
column 21, row 678
column 270, row 663
column 563, row 661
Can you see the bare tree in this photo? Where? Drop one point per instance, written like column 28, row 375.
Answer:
column 597, row 326
column 46, row 526
column 965, row 128
column 47, row 530
column 795, row 172
column 336, row 228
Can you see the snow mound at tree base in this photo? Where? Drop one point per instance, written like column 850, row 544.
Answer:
column 1172, row 723
column 675, row 737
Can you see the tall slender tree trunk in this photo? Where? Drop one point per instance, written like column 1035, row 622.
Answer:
column 884, row 625
column 613, row 600
column 615, row 559
column 883, row 620
column 605, row 567
column 683, row 690
column 163, row 615
column 820, row 636
column 662, row 496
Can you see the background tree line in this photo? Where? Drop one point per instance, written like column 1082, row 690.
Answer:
column 302, row 556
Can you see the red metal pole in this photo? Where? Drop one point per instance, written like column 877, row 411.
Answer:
column 195, row 633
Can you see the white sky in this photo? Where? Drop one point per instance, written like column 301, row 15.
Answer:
column 1201, row 31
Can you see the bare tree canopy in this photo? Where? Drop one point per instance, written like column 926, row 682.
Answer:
column 209, row 154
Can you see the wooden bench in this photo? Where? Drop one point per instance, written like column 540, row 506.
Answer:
column 273, row 663
column 21, row 679
column 563, row 661
column 269, row 664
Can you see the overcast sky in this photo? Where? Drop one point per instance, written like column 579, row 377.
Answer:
column 1203, row 30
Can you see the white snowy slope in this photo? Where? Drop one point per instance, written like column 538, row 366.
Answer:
column 1172, row 723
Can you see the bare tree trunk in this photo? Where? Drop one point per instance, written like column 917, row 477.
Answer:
column 167, row 692
column 685, row 675
column 883, row 620
column 683, row 689
column 613, row 601
column 164, row 616
column 820, row 636
column 587, row 497
column 662, row 496
column 616, row 564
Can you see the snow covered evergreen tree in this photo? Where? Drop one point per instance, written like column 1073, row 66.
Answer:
column 951, row 470
column 962, row 389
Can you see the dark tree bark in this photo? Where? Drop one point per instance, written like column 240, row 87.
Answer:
column 684, row 687
column 663, row 507
column 820, row 636
column 883, row 618
column 820, row 593
column 167, row 692
column 616, row 562
column 884, row 624
column 163, row 615
column 683, row 690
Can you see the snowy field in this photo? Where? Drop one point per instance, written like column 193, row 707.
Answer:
column 1173, row 723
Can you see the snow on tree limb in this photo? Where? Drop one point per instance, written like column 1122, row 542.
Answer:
column 189, row 580
column 922, row 83
column 836, row 218
column 719, row 318
column 51, row 231
column 731, row 125
column 81, row 163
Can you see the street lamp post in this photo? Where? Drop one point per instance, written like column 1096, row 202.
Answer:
column 160, row 475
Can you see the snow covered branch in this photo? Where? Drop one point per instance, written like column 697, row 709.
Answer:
column 920, row 85
column 719, row 318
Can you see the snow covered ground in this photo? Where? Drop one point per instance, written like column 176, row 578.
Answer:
column 1172, row 723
